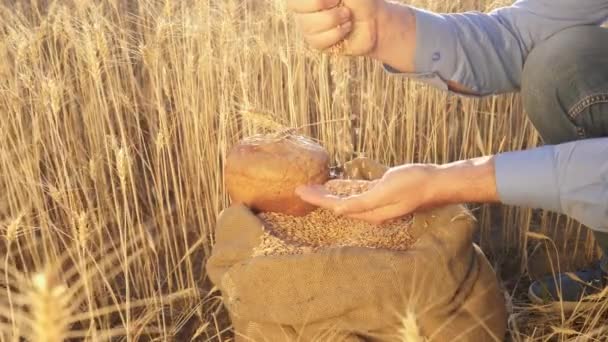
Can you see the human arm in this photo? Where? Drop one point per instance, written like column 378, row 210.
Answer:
column 408, row 188
column 380, row 29
column 472, row 52
column 570, row 178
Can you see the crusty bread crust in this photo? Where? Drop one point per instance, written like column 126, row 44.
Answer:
column 263, row 172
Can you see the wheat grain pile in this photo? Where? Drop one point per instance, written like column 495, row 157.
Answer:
column 286, row 235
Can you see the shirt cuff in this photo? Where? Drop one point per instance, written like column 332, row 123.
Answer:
column 528, row 179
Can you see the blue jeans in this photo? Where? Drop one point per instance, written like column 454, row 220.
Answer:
column 565, row 91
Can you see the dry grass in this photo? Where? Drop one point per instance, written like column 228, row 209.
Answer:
column 116, row 117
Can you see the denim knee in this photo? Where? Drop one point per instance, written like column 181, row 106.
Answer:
column 565, row 85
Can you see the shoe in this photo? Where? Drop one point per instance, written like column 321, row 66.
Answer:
column 568, row 291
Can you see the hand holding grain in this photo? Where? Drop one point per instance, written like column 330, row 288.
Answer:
column 326, row 23
column 409, row 188
column 402, row 190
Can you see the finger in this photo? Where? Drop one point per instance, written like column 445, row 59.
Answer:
column 367, row 201
column 327, row 39
column 318, row 22
column 307, row 6
column 319, row 196
column 382, row 214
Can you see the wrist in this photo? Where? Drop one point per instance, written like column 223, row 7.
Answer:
column 396, row 36
column 471, row 181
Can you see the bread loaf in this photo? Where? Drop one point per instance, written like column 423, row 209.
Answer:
column 263, row 172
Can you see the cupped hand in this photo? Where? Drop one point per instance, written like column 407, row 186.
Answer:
column 325, row 23
column 401, row 191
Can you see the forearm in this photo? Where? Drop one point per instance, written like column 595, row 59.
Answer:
column 468, row 181
column 472, row 52
column 570, row 178
column 396, row 42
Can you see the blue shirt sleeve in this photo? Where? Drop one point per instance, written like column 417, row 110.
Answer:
column 570, row 178
column 486, row 52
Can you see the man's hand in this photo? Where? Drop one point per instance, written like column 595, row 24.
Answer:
column 400, row 191
column 326, row 23
column 408, row 188
column 383, row 30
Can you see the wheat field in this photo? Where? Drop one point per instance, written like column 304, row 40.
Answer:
column 117, row 115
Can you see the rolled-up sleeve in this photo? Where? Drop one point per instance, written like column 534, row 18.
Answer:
column 570, row 178
column 486, row 52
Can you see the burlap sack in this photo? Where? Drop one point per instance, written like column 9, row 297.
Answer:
column 442, row 289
